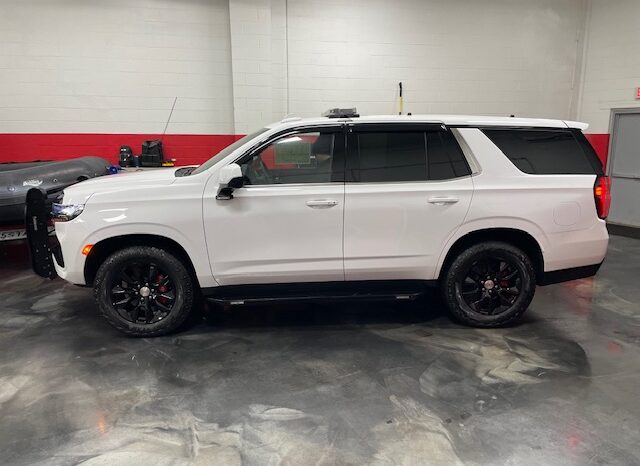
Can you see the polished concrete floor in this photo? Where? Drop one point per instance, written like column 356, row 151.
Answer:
column 337, row 384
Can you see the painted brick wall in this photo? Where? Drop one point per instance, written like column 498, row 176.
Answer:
column 480, row 57
column 612, row 61
column 115, row 66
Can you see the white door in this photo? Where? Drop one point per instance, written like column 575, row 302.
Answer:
column 408, row 190
column 286, row 223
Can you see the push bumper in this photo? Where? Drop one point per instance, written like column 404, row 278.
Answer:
column 41, row 248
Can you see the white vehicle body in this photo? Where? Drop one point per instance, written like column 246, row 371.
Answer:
column 341, row 231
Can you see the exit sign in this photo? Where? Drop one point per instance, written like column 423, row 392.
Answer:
column 638, row 93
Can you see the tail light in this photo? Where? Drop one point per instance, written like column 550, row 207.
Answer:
column 602, row 195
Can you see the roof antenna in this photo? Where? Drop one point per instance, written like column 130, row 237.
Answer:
column 168, row 119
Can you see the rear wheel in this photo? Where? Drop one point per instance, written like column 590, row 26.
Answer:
column 489, row 285
column 144, row 291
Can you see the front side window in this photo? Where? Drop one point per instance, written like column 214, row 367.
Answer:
column 228, row 150
column 405, row 155
column 303, row 157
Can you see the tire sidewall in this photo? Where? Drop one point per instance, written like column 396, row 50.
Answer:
column 180, row 276
column 461, row 265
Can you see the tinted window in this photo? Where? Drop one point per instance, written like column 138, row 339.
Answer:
column 444, row 156
column 544, row 152
column 226, row 151
column 390, row 156
column 408, row 156
column 306, row 157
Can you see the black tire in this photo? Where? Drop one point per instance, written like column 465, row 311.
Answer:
column 178, row 295
column 470, row 301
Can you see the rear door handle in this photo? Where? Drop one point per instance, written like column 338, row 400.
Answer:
column 443, row 200
column 322, row 203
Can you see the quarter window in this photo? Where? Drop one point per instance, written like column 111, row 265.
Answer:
column 546, row 152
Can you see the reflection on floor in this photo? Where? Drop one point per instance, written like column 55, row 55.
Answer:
column 330, row 384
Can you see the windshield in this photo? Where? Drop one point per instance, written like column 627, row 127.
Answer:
column 226, row 151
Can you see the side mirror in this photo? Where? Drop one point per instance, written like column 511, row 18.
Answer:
column 230, row 178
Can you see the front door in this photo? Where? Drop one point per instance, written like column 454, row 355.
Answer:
column 408, row 190
column 286, row 223
column 625, row 170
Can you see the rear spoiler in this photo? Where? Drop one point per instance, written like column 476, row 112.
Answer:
column 36, row 220
column 576, row 125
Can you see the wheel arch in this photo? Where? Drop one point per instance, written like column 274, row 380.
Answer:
column 104, row 248
column 518, row 238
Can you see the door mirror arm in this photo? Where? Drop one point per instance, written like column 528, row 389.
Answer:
column 230, row 179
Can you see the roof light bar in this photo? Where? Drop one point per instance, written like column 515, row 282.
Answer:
column 341, row 113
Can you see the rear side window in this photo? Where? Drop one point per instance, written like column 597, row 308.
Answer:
column 392, row 156
column 444, row 156
column 395, row 156
column 546, row 152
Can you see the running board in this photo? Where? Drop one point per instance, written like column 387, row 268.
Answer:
column 396, row 290
column 281, row 299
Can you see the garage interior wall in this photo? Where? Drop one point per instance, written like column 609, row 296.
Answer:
column 82, row 78
column 611, row 64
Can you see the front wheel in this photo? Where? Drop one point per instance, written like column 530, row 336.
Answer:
column 489, row 285
column 144, row 291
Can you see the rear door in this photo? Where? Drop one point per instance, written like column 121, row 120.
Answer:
column 408, row 190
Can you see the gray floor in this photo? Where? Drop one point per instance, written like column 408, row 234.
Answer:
column 339, row 384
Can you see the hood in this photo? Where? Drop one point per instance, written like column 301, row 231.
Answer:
column 80, row 192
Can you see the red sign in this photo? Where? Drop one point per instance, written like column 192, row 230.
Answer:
column 637, row 92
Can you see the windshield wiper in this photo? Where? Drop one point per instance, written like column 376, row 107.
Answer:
column 186, row 171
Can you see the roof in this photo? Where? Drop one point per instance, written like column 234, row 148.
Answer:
column 449, row 120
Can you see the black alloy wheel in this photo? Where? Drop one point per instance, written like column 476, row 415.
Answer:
column 491, row 286
column 143, row 293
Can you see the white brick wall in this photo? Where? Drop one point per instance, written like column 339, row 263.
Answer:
column 489, row 57
column 612, row 61
column 116, row 65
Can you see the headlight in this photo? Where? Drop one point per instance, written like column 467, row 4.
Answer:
column 64, row 213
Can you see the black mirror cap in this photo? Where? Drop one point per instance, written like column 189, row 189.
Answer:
column 237, row 182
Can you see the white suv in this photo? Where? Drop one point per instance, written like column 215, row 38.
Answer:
column 339, row 207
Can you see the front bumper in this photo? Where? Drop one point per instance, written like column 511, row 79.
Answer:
column 41, row 249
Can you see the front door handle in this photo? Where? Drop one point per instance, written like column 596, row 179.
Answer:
column 443, row 200
column 322, row 203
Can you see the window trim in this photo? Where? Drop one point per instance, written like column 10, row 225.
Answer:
column 339, row 128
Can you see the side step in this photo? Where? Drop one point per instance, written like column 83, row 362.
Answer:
column 239, row 295
column 318, row 298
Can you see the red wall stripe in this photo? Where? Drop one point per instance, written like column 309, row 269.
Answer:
column 187, row 149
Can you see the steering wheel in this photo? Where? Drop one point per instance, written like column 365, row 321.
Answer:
column 257, row 172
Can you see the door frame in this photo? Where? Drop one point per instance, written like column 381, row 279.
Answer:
column 615, row 113
column 618, row 229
